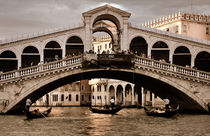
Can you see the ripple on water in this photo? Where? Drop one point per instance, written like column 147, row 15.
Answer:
column 79, row 121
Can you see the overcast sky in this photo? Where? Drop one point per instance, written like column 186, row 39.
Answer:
column 27, row 16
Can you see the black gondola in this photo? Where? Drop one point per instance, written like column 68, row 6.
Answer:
column 37, row 114
column 161, row 113
column 106, row 110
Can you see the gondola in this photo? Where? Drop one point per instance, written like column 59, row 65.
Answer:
column 161, row 113
column 106, row 110
column 37, row 114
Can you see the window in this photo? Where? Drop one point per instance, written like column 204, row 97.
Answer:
column 69, row 97
column 55, row 97
column 150, row 96
column 77, row 86
column 176, row 29
column 77, row 98
column 105, row 46
column 167, row 29
column 82, row 97
column 110, row 46
column 82, row 87
column 89, row 97
column 62, row 97
column 93, row 88
column 105, row 87
column 93, row 97
column 207, row 30
column 98, row 97
column 184, row 28
column 99, row 88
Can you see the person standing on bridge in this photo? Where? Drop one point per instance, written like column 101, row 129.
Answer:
column 28, row 104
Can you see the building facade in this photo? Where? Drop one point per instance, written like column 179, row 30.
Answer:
column 73, row 94
column 188, row 24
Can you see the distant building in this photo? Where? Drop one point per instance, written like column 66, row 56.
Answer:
column 192, row 25
column 73, row 94
column 123, row 92
column 102, row 43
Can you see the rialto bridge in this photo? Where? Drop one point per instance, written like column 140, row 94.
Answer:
column 35, row 65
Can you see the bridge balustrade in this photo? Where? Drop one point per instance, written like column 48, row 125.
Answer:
column 78, row 60
column 173, row 68
column 40, row 68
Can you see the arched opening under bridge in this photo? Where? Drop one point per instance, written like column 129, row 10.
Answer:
column 161, row 88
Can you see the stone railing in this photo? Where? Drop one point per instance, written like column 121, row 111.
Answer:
column 185, row 71
column 68, row 62
column 145, row 62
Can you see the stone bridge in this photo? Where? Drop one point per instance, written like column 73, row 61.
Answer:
column 186, row 87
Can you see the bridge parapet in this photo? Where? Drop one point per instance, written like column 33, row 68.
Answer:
column 145, row 63
column 70, row 62
column 175, row 70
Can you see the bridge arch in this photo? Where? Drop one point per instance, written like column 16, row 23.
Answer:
column 8, row 61
column 160, row 51
column 140, row 45
column 74, row 45
column 162, row 87
column 182, row 56
column 202, row 61
column 52, row 51
column 30, row 56
column 104, row 29
column 113, row 18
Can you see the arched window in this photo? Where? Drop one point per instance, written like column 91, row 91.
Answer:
column 74, row 46
column 182, row 56
column 119, row 94
column 8, row 61
column 128, row 94
column 160, row 51
column 30, row 56
column 52, row 51
column 202, row 61
column 139, row 45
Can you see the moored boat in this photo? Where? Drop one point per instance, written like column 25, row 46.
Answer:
column 106, row 110
column 161, row 113
column 37, row 114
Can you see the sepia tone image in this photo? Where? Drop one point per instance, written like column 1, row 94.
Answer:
column 105, row 68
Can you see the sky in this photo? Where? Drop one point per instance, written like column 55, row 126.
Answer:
column 18, row 17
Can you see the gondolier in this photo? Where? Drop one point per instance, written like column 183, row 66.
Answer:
column 167, row 102
column 112, row 102
column 28, row 104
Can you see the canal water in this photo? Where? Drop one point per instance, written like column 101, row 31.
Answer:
column 79, row 121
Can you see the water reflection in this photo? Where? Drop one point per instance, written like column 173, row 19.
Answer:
column 99, row 125
column 79, row 121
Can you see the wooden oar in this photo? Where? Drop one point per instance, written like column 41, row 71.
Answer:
column 43, row 115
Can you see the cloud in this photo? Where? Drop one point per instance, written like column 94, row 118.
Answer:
column 24, row 16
